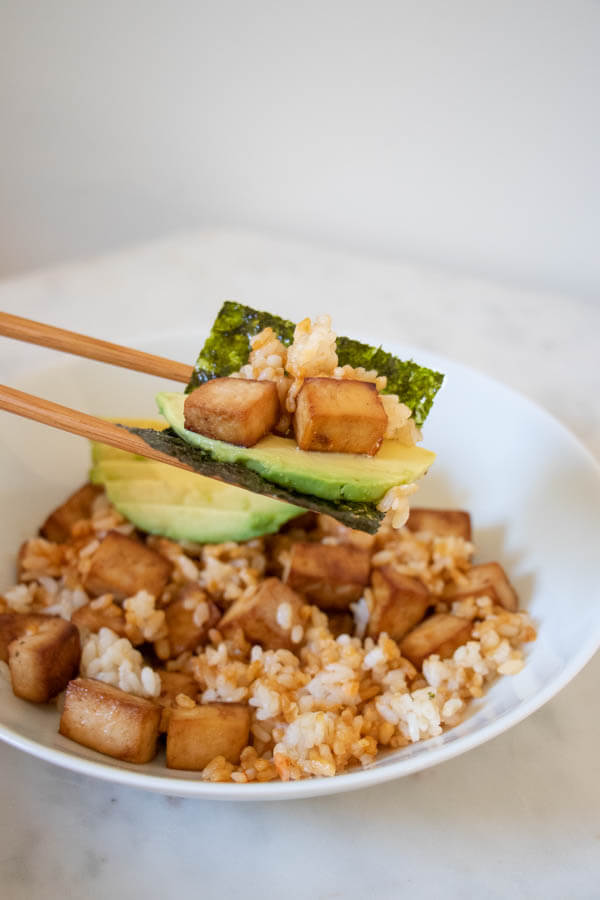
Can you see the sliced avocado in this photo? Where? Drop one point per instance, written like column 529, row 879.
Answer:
column 332, row 476
column 161, row 499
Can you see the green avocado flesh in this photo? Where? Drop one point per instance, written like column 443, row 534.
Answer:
column 162, row 499
column 331, row 476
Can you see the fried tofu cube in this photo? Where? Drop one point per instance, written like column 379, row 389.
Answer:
column 236, row 410
column 441, row 522
column 340, row 622
column 57, row 527
column 330, row 575
column 399, row 603
column 189, row 617
column 44, row 659
column 171, row 685
column 486, row 580
column 14, row 625
column 122, row 566
column 269, row 617
column 339, row 416
column 196, row 736
column 174, row 683
column 92, row 618
column 107, row 719
column 440, row 633
column 330, row 527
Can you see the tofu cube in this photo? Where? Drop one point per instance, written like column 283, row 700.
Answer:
column 122, row 566
column 331, row 576
column 441, row 634
column 235, row 410
column 14, row 625
column 330, row 527
column 196, row 736
column 339, row 416
column 107, row 719
column 57, row 527
column 441, row 522
column 268, row 617
column 399, row 603
column 172, row 684
column 44, row 659
column 340, row 623
column 488, row 579
column 111, row 617
column 181, row 618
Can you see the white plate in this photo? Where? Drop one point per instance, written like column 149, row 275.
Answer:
column 533, row 491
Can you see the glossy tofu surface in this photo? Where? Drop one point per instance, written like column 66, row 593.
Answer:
column 235, row 410
column 122, row 566
column 440, row 633
column 57, row 526
column 441, row 522
column 107, row 719
column 331, row 575
column 44, row 659
column 261, row 619
column 398, row 603
column 337, row 415
column 196, row 736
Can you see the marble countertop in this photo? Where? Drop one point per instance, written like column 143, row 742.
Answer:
column 517, row 817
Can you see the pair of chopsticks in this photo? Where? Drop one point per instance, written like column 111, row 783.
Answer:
column 72, row 420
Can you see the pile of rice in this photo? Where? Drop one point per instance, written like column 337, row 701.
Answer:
column 333, row 703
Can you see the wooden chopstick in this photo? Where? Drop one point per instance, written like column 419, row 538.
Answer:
column 82, row 345
column 31, row 407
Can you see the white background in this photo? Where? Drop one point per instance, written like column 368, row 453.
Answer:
column 465, row 133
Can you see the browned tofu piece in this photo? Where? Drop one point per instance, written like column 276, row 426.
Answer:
column 111, row 617
column 44, row 659
column 264, row 617
column 196, row 736
column 57, row 526
column 339, row 416
column 184, row 634
column 340, row 623
column 441, row 522
column 107, row 719
column 330, row 527
column 236, row 410
column 173, row 684
column 488, row 580
column 14, row 625
column 330, row 575
column 399, row 603
column 441, row 634
column 122, row 566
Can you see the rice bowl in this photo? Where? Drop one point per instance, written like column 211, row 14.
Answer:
column 511, row 439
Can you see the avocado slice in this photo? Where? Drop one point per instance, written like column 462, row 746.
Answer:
column 184, row 506
column 331, row 476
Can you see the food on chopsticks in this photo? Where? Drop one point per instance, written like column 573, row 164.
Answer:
column 305, row 652
column 297, row 413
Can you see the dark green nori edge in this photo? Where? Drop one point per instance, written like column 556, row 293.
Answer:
column 363, row 516
column 227, row 348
